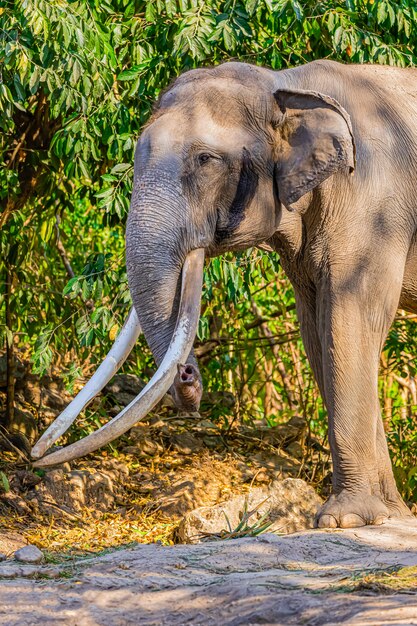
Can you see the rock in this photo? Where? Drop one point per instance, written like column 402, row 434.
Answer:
column 148, row 447
column 144, row 448
column 9, row 571
column 3, row 557
column 262, row 477
column 291, row 505
column 282, row 435
column 28, row 554
column 156, row 422
column 114, row 410
column 139, row 432
column 186, row 443
column 145, row 442
column 24, row 480
column 32, row 391
column 11, row 541
column 295, row 449
column 64, row 492
column 54, row 399
column 167, row 402
column 279, row 463
column 130, row 450
column 49, row 415
column 123, row 398
column 16, row 502
column 124, row 388
column 213, row 441
column 246, row 472
column 125, row 383
column 25, row 424
column 19, row 371
column 204, row 425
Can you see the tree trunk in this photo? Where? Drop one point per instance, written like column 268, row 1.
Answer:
column 10, row 359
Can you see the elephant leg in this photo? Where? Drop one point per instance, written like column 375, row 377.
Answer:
column 388, row 486
column 306, row 313
column 306, row 309
column 354, row 314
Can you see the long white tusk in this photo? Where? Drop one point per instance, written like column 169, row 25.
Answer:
column 179, row 349
column 119, row 352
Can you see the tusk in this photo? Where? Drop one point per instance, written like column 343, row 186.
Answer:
column 119, row 352
column 179, row 349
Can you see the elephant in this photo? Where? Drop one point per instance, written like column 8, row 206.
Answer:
column 319, row 162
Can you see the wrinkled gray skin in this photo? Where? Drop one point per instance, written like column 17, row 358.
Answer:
column 238, row 155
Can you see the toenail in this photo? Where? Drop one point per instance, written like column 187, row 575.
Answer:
column 327, row 521
column 351, row 520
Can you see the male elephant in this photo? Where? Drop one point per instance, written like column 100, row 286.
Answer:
column 320, row 161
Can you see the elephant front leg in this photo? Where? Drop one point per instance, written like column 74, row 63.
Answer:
column 353, row 329
column 388, row 486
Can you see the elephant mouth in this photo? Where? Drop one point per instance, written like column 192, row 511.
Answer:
column 178, row 350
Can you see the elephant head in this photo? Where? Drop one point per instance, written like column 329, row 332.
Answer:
column 224, row 149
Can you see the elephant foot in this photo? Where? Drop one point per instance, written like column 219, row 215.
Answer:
column 187, row 388
column 397, row 508
column 348, row 510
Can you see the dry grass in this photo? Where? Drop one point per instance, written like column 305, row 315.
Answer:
column 393, row 580
column 156, row 492
column 135, row 516
column 402, row 580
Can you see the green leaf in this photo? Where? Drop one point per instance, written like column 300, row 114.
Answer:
column 105, row 193
column 9, row 336
column 382, row 12
column 47, row 229
column 85, row 289
column 131, row 74
column 34, row 81
column 391, row 14
column 4, row 483
column 297, row 8
column 80, row 37
column 171, row 7
column 251, row 6
column 76, row 72
column 121, row 167
column 337, row 37
column 87, row 340
column 150, row 13
column 20, row 91
column 68, row 287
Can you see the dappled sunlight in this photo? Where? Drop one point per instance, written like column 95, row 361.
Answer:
column 271, row 579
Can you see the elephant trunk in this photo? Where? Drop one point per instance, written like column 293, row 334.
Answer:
column 165, row 264
column 179, row 347
column 157, row 243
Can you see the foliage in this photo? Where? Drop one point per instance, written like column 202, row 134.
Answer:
column 245, row 527
column 77, row 82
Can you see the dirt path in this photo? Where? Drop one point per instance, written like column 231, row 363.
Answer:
column 304, row 578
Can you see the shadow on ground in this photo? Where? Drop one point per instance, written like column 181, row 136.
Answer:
column 306, row 578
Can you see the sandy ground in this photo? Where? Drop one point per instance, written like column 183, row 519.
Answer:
column 304, row 578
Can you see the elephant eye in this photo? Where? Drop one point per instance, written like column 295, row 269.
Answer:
column 204, row 158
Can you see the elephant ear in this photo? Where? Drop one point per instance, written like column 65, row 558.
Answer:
column 316, row 140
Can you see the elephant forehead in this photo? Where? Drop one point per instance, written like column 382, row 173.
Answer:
column 223, row 133
column 177, row 130
column 226, row 102
column 164, row 134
